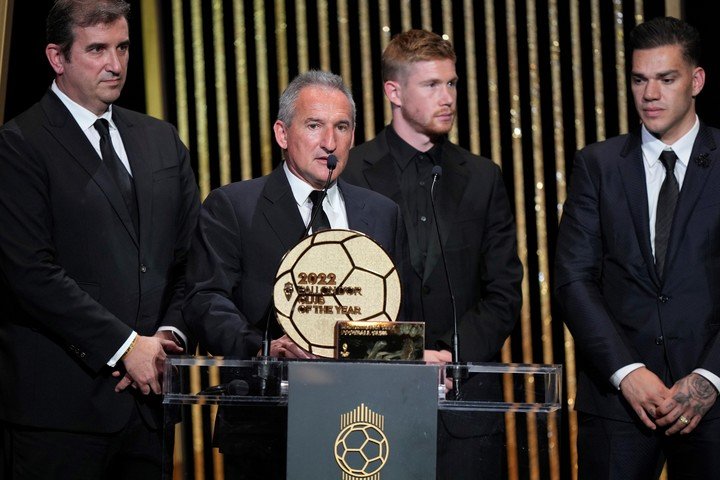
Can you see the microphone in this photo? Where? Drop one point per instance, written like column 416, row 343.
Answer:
column 456, row 374
column 265, row 366
column 331, row 164
column 233, row 387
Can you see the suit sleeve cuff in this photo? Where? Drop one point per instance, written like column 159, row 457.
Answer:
column 121, row 351
column 623, row 372
column 709, row 376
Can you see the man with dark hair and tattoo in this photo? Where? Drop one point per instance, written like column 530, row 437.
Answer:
column 97, row 206
column 638, row 275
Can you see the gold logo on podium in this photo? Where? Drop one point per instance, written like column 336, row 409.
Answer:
column 361, row 447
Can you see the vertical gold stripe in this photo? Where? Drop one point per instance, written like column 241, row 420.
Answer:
column 366, row 65
column 541, row 225
column 516, row 125
column 198, row 443
column 639, row 17
column 181, row 97
column 579, row 123
column 282, row 48
column 6, row 10
column 261, row 65
column 599, row 91
column 560, row 187
column 203, row 143
column 493, row 94
column 471, row 73
column 302, row 36
column 673, row 8
column 241, row 86
column 221, row 105
column 344, row 37
column 426, row 15
column 218, row 464
column 620, row 66
column 323, row 34
column 447, row 34
column 384, row 40
column 152, row 58
column 406, row 15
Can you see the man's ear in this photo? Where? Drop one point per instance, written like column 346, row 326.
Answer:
column 698, row 81
column 393, row 92
column 57, row 60
column 280, row 130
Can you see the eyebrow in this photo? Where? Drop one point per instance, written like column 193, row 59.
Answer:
column 657, row 75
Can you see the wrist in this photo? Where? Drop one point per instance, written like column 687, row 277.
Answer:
column 130, row 348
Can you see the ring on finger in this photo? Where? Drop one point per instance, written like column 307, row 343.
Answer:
column 683, row 420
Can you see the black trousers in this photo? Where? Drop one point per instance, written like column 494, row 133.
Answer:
column 134, row 453
column 610, row 449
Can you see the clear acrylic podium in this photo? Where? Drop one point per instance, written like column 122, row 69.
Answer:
column 364, row 420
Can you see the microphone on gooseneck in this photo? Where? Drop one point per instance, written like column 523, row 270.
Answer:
column 331, row 164
column 456, row 374
column 264, row 370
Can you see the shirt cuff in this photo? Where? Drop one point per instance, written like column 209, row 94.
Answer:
column 623, row 372
column 121, row 351
column 178, row 334
column 709, row 376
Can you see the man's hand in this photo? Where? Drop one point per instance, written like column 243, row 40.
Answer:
column 437, row 356
column 144, row 364
column 690, row 398
column 645, row 392
column 283, row 347
column 127, row 380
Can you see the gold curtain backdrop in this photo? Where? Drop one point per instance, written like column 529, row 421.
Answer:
column 539, row 79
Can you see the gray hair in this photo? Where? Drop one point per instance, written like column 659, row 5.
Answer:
column 312, row 78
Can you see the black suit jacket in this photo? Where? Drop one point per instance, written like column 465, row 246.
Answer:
column 617, row 309
column 77, row 278
column 478, row 235
column 244, row 230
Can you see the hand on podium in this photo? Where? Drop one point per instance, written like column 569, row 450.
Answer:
column 145, row 362
column 284, row 347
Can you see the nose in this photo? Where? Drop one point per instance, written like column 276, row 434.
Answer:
column 329, row 143
column 652, row 90
column 113, row 63
column 447, row 95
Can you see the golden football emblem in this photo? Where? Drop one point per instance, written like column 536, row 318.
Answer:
column 334, row 275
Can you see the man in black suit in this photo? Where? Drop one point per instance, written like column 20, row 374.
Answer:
column 97, row 205
column 245, row 228
column 638, row 275
column 474, row 215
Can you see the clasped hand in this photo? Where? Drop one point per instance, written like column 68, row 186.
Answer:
column 145, row 363
column 679, row 408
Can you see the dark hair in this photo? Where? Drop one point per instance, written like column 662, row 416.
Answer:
column 413, row 46
column 664, row 31
column 67, row 14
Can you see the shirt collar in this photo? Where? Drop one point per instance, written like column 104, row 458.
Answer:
column 403, row 153
column 652, row 146
column 84, row 117
column 301, row 190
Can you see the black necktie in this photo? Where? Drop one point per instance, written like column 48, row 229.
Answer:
column 118, row 171
column 665, row 209
column 321, row 221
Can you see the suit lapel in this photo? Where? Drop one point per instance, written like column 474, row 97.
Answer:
column 703, row 153
column 67, row 133
column 280, row 209
column 449, row 192
column 632, row 173
column 358, row 218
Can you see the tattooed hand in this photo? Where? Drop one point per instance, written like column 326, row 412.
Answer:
column 690, row 398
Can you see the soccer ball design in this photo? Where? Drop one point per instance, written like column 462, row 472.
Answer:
column 361, row 449
column 330, row 276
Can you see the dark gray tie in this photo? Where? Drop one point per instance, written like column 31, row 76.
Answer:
column 321, row 221
column 665, row 209
column 122, row 178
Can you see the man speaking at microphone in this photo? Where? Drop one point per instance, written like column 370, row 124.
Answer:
column 245, row 228
column 474, row 216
